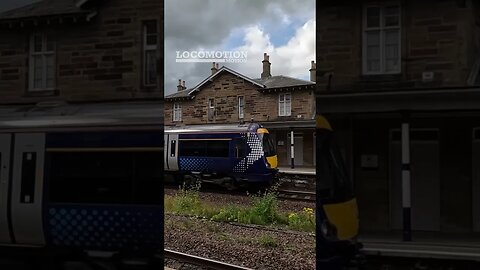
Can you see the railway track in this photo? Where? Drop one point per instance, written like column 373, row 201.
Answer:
column 300, row 195
column 201, row 262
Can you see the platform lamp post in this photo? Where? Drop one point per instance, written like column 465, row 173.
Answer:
column 406, row 190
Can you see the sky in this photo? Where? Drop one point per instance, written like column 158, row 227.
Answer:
column 284, row 29
column 11, row 4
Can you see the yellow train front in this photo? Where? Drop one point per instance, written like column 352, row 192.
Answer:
column 337, row 212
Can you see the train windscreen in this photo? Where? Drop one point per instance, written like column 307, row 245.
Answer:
column 333, row 180
column 268, row 145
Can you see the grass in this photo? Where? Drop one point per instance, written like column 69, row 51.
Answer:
column 267, row 241
column 263, row 210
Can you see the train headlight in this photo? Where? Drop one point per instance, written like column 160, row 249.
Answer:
column 324, row 228
column 328, row 229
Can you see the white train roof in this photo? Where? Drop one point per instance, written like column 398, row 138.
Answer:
column 213, row 128
column 57, row 114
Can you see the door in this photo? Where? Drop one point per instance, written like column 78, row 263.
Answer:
column 171, row 152
column 5, row 145
column 27, row 187
column 297, row 151
column 424, row 182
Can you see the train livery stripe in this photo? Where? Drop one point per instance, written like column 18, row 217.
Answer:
column 210, row 139
column 106, row 149
column 104, row 139
column 345, row 218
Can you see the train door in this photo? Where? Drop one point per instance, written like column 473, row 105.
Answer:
column 27, row 189
column 171, row 152
column 5, row 144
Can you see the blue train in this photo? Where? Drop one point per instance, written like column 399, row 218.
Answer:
column 229, row 155
column 81, row 177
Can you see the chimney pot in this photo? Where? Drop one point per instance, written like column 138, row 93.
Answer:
column 313, row 71
column 266, row 66
column 179, row 86
column 183, row 84
column 214, row 68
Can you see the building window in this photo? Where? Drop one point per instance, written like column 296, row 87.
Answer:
column 241, row 107
column 284, row 104
column 381, row 38
column 177, row 112
column 150, row 43
column 42, row 62
column 211, row 108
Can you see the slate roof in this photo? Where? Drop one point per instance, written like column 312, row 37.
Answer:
column 282, row 81
column 180, row 94
column 266, row 83
column 44, row 8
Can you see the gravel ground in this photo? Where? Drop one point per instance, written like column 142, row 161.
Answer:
column 223, row 199
column 251, row 247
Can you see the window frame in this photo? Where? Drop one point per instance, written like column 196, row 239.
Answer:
column 211, row 109
column 381, row 30
column 177, row 112
column 44, row 52
column 149, row 48
column 241, row 107
column 284, row 102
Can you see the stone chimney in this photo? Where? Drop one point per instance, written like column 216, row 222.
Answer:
column 266, row 66
column 313, row 72
column 214, row 68
column 179, row 86
column 183, row 85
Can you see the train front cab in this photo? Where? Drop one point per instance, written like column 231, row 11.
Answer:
column 271, row 159
column 337, row 212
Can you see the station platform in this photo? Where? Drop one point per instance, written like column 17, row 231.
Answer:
column 298, row 170
column 424, row 245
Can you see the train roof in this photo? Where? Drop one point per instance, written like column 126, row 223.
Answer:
column 214, row 128
column 59, row 114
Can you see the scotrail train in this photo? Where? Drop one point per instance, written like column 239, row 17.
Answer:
column 81, row 177
column 229, row 155
column 337, row 211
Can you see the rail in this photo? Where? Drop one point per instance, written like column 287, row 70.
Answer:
column 296, row 195
column 200, row 261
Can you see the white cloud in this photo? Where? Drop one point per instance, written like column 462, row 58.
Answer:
column 194, row 25
column 292, row 59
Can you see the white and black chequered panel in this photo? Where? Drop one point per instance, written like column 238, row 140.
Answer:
column 256, row 152
column 194, row 164
column 102, row 228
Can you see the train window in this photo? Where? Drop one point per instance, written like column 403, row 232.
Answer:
column 240, row 148
column 104, row 177
column 27, row 188
column 268, row 145
column 173, row 148
column 332, row 175
column 148, row 178
column 192, row 148
column 217, row 148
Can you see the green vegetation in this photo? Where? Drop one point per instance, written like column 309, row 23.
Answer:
column 263, row 211
column 267, row 241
